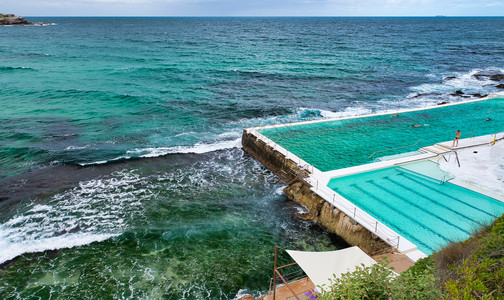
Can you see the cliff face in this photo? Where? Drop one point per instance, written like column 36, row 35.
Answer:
column 6, row 19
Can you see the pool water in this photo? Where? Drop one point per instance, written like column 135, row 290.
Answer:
column 427, row 211
column 345, row 143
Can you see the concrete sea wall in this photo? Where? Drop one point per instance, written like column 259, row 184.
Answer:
column 283, row 167
column 319, row 210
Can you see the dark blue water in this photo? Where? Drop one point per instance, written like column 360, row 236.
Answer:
column 122, row 174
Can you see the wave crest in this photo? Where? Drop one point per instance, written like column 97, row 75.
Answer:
column 94, row 211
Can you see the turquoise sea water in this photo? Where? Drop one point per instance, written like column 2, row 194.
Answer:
column 427, row 212
column 121, row 169
column 350, row 142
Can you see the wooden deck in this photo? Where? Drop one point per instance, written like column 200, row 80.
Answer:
column 399, row 262
column 300, row 287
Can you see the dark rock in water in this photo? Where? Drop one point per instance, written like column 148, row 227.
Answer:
column 488, row 75
column 425, row 94
column 441, row 103
column 10, row 19
column 497, row 77
column 450, row 77
column 477, row 95
column 484, row 95
column 500, row 86
column 457, row 93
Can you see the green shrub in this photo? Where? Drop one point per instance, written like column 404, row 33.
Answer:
column 421, row 265
column 380, row 282
column 481, row 274
column 472, row 269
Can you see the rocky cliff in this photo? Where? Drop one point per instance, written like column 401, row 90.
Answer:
column 10, row 19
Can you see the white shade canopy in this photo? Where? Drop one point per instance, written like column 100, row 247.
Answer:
column 320, row 266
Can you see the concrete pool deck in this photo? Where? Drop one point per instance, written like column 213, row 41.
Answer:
column 318, row 180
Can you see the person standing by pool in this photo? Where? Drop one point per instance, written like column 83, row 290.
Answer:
column 456, row 139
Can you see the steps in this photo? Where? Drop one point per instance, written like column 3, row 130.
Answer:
column 427, row 213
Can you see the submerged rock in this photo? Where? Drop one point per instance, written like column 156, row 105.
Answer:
column 457, row 93
column 500, row 86
column 425, row 95
column 478, row 95
column 497, row 77
column 494, row 76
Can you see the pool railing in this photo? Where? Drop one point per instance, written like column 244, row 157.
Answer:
column 348, row 208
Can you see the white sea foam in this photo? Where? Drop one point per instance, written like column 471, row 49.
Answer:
column 94, row 211
column 300, row 114
column 301, row 209
column 444, row 88
column 11, row 250
column 98, row 162
column 244, row 292
column 230, row 134
column 197, row 148
column 76, row 147
column 458, row 81
column 347, row 112
column 185, row 133
column 432, row 93
column 279, row 190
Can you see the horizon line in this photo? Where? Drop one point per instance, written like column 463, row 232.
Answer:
column 245, row 16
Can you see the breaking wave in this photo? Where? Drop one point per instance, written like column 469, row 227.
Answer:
column 94, row 211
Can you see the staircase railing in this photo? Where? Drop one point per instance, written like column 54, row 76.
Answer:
column 394, row 148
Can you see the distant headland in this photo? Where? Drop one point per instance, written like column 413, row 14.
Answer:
column 11, row 19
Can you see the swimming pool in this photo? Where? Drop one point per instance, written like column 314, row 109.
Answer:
column 427, row 211
column 345, row 143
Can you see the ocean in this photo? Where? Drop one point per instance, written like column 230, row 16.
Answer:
column 121, row 169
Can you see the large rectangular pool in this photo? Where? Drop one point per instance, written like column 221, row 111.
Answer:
column 345, row 143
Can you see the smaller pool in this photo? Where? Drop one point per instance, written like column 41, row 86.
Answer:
column 428, row 211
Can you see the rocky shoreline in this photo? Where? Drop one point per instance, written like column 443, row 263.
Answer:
column 13, row 20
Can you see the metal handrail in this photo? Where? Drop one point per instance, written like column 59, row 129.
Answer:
column 361, row 217
column 394, row 148
column 348, row 208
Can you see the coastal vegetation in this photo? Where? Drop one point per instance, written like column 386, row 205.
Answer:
column 471, row 269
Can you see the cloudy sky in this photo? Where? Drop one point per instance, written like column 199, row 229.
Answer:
column 253, row 7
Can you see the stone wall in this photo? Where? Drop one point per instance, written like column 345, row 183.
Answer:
column 283, row 167
column 334, row 220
